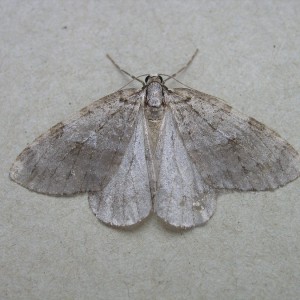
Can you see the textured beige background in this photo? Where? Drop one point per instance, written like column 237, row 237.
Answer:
column 53, row 63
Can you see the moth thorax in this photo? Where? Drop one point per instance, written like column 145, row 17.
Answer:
column 154, row 94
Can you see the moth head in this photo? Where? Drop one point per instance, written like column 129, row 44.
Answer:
column 154, row 78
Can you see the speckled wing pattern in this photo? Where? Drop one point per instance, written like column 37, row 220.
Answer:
column 230, row 150
column 83, row 153
column 182, row 199
column 126, row 199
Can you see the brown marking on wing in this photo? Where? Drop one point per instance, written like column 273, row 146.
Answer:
column 86, row 111
column 256, row 124
column 57, row 130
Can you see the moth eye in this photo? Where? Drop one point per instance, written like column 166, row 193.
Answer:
column 147, row 78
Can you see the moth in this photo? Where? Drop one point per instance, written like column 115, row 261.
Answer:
column 172, row 151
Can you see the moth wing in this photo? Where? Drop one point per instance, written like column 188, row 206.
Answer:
column 126, row 199
column 231, row 150
column 182, row 198
column 82, row 153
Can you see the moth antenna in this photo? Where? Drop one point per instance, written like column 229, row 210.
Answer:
column 169, row 77
column 184, row 67
column 123, row 71
column 130, row 82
